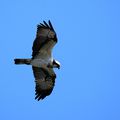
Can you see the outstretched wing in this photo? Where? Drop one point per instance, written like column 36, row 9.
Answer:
column 45, row 81
column 46, row 38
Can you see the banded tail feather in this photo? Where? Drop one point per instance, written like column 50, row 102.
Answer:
column 22, row 61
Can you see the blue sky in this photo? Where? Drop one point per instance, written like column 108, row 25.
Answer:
column 88, row 83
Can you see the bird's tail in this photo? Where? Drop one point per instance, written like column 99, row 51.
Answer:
column 22, row 61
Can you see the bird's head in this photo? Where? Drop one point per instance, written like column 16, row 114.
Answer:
column 56, row 64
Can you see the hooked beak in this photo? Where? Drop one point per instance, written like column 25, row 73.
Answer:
column 56, row 64
column 58, row 67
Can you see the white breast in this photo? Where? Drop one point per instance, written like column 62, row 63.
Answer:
column 41, row 60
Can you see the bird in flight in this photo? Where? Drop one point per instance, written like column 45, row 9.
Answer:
column 42, row 60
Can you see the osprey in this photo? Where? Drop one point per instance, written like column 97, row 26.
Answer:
column 42, row 61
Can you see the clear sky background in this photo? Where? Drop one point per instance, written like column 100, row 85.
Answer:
column 88, row 83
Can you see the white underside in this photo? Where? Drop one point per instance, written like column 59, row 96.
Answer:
column 37, row 62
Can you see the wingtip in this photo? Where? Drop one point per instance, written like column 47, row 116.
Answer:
column 39, row 97
column 46, row 25
column 49, row 21
column 50, row 24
